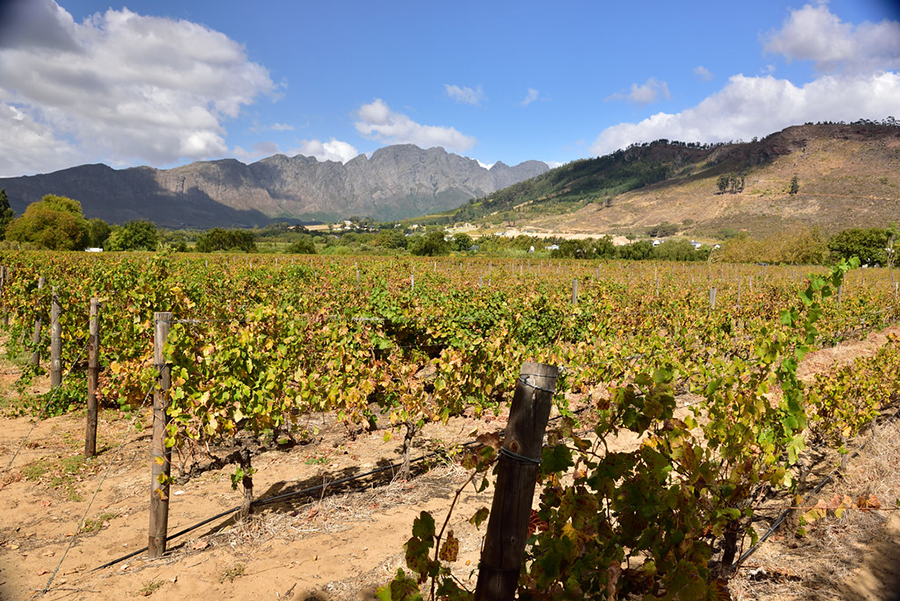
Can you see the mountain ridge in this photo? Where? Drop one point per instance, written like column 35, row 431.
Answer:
column 395, row 182
column 848, row 176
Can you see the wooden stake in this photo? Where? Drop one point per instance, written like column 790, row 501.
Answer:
column 4, row 279
column 55, row 342
column 90, row 435
column 160, row 454
column 504, row 543
column 36, row 335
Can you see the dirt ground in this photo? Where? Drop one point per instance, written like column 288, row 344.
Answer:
column 343, row 542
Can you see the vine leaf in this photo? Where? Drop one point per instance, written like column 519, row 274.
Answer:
column 450, row 548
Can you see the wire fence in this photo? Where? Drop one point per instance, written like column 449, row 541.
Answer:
column 87, row 509
column 44, row 409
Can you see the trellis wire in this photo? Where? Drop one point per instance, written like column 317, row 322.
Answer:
column 97, row 490
column 44, row 409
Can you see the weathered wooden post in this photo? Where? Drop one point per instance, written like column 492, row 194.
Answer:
column 4, row 279
column 712, row 297
column 160, row 454
column 55, row 341
column 36, row 336
column 93, row 374
column 575, row 291
column 520, row 456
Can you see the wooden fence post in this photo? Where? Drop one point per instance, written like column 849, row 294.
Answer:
column 90, row 436
column 36, row 336
column 55, row 341
column 507, row 531
column 575, row 291
column 160, row 454
column 712, row 297
column 4, row 280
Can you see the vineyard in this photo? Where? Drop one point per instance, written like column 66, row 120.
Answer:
column 680, row 410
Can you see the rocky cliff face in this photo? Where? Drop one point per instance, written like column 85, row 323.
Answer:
column 396, row 182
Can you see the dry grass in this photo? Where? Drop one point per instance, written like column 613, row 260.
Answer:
column 848, row 558
column 845, row 181
column 333, row 512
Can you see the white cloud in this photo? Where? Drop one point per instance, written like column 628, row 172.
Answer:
column 702, row 73
column 259, row 151
column 530, row 97
column 333, row 150
column 815, row 33
column 118, row 87
column 647, row 93
column 758, row 106
column 29, row 144
column 379, row 122
column 465, row 95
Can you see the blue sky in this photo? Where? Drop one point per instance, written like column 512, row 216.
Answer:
column 164, row 83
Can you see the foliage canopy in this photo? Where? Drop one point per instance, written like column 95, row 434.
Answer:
column 869, row 244
column 6, row 213
column 134, row 235
column 54, row 223
column 218, row 239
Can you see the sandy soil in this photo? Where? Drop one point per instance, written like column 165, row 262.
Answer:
column 339, row 544
column 344, row 542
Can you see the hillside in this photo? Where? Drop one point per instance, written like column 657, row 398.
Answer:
column 396, row 182
column 848, row 176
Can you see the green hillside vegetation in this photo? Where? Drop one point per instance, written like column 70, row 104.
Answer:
column 583, row 182
column 829, row 176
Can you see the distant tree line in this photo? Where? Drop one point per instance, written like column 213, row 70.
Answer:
column 804, row 245
column 58, row 223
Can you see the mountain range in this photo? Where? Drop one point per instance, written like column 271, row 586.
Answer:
column 396, row 182
column 829, row 176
